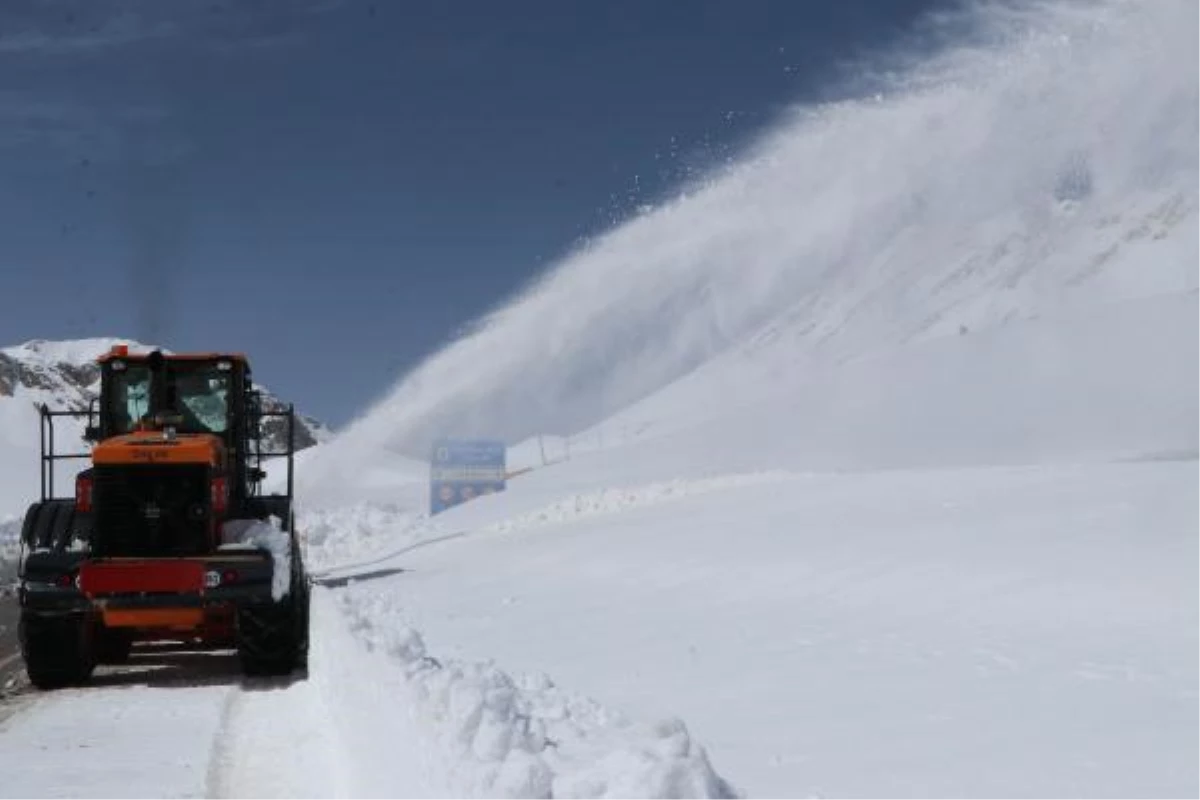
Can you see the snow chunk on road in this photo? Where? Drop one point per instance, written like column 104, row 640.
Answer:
column 522, row 736
column 257, row 534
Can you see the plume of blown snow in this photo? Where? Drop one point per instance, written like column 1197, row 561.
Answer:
column 1037, row 106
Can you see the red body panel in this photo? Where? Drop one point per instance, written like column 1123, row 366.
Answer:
column 157, row 575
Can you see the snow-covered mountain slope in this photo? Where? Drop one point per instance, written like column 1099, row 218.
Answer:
column 1048, row 164
column 64, row 375
column 1116, row 381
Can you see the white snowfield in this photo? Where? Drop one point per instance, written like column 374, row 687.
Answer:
column 885, row 484
column 988, row 632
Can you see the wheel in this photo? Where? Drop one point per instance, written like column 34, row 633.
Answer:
column 266, row 638
column 64, row 524
column 50, row 521
column 58, row 649
column 72, row 526
column 272, row 638
column 29, row 528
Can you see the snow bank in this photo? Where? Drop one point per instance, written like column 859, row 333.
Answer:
column 502, row 735
column 615, row 500
column 335, row 537
column 254, row 534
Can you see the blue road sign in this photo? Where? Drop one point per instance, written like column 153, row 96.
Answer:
column 461, row 470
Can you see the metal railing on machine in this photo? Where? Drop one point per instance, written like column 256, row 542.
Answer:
column 48, row 457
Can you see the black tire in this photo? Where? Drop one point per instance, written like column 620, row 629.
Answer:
column 58, row 649
column 29, row 527
column 272, row 638
column 60, row 534
column 48, row 522
column 77, row 525
column 267, row 643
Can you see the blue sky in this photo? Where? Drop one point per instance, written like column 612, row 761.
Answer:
column 337, row 186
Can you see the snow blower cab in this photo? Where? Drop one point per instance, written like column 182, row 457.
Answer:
column 168, row 536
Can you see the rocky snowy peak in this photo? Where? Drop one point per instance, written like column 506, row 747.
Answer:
column 64, row 374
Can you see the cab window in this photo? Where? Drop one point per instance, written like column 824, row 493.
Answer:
column 131, row 398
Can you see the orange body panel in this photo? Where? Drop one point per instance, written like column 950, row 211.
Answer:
column 152, row 448
column 176, row 619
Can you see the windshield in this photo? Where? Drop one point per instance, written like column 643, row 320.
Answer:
column 202, row 399
column 198, row 394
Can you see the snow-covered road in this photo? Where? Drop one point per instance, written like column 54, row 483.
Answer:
column 175, row 725
column 373, row 717
column 168, row 725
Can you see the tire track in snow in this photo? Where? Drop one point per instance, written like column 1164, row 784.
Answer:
column 214, row 781
column 278, row 739
column 274, row 741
